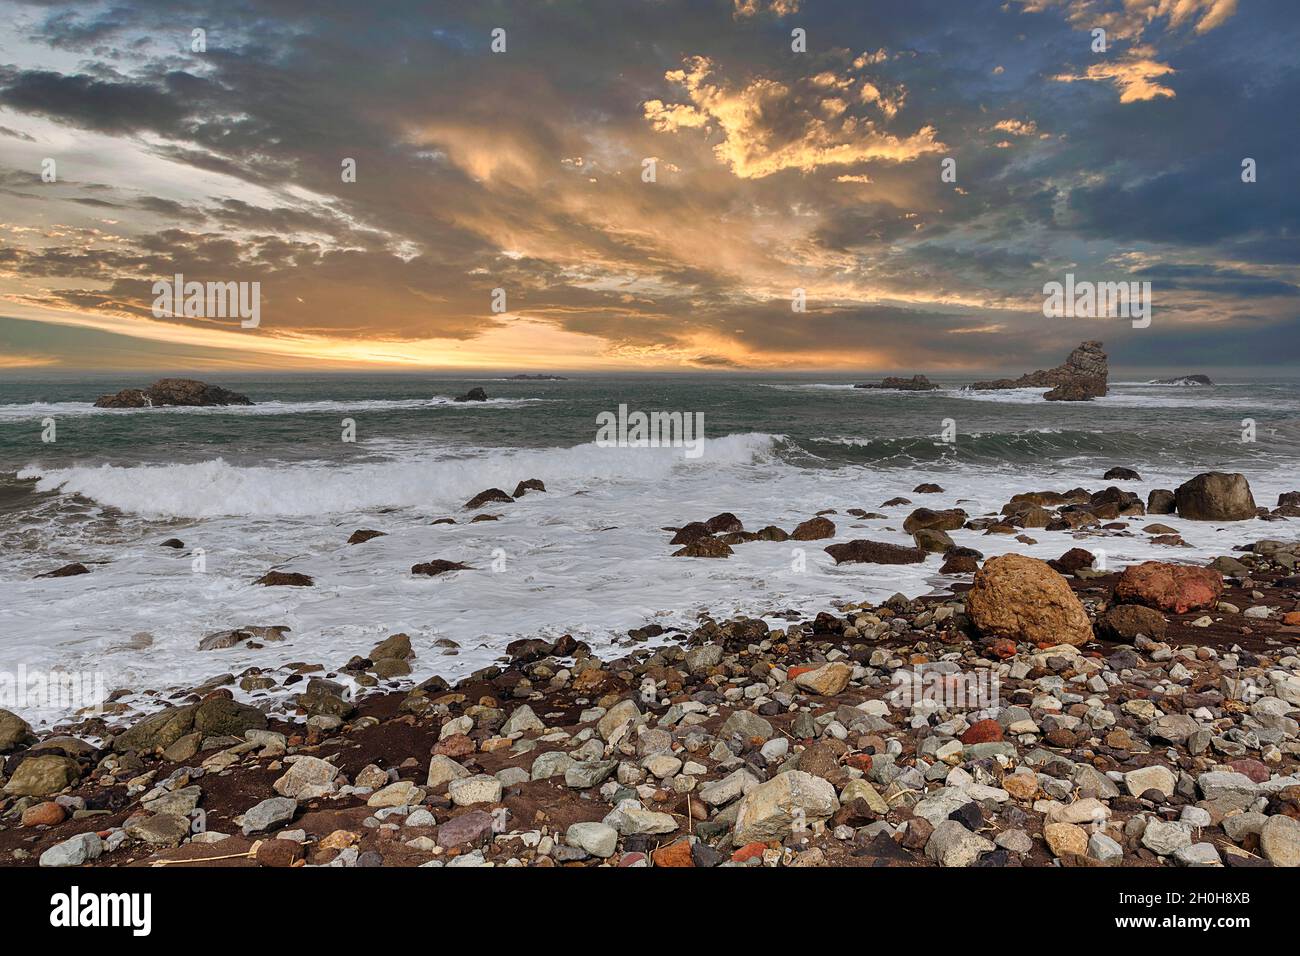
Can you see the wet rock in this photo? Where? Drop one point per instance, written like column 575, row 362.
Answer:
column 1121, row 474
column 67, row 571
column 724, row 523
column 476, row 394
column 1161, row 501
column 362, row 535
column 1215, row 496
column 438, row 566
column 291, row 579
column 932, row 541
column 487, row 497
column 949, row 520
column 704, row 548
column 814, row 529
column 874, row 552
column 527, row 485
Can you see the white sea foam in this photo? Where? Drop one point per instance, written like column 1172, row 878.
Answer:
column 23, row 412
column 588, row 557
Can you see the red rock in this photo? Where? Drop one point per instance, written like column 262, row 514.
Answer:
column 1291, row 618
column 279, row 853
column 1002, row 649
column 982, row 732
column 1169, row 587
column 1253, row 769
column 748, row 852
column 860, row 761
column 457, row 745
column 630, row 859
column 794, row 672
column 47, row 814
column 676, row 854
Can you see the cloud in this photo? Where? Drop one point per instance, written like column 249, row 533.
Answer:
column 1136, row 75
column 767, row 125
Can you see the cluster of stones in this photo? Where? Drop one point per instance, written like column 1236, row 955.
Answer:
column 990, row 730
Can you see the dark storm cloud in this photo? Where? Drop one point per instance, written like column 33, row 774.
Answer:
column 776, row 170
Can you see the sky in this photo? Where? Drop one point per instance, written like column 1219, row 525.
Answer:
column 641, row 185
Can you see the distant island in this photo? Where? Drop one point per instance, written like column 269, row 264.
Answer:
column 1185, row 380
column 917, row 383
column 537, row 378
column 173, row 391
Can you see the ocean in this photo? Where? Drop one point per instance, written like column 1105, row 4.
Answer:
column 275, row 485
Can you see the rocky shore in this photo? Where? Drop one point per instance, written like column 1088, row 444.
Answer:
column 1039, row 714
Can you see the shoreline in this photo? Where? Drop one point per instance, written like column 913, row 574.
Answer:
column 697, row 773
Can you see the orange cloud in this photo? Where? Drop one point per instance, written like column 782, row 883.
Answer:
column 767, row 125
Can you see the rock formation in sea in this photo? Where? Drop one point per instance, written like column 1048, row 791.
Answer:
column 1183, row 380
column 1082, row 377
column 173, row 391
column 473, row 395
column 917, row 383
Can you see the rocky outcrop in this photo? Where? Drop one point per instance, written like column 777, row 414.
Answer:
column 1185, row 380
column 1082, row 377
column 473, row 395
column 917, row 383
column 1215, row 496
column 173, row 391
column 1022, row 599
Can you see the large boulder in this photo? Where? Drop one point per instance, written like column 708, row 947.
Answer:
column 157, row 731
column 768, row 811
column 219, row 716
column 14, row 731
column 1215, row 496
column 1022, row 599
column 43, row 776
column 172, row 391
column 1177, row 588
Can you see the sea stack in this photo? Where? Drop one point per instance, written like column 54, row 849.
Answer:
column 1081, row 378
